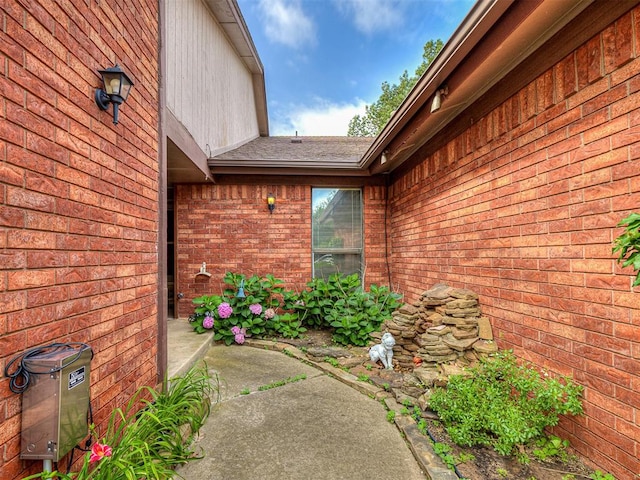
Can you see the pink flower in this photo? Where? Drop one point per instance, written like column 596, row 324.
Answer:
column 225, row 310
column 207, row 322
column 269, row 313
column 239, row 334
column 99, row 451
column 255, row 308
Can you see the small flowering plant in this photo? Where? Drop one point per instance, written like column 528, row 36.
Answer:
column 91, row 467
column 235, row 316
column 206, row 312
column 239, row 334
column 99, row 451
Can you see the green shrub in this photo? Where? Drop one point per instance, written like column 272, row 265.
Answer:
column 288, row 325
column 503, row 404
column 258, row 312
column 355, row 317
column 321, row 295
column 341, row 304
column 628, row 244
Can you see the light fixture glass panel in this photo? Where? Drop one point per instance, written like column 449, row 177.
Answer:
column 125, row 87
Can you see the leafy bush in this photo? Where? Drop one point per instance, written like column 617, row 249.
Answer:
column 339, row 303
column 149, row 442
column 288, row 325
column 354, row 319
column 628, row 244
column 317, row 302
column 257, row 313
column 503, row 404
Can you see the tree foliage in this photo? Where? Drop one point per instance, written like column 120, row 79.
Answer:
column 378, row 113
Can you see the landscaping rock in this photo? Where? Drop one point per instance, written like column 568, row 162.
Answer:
column 453, row 369
column 444, row 325
column 459, row 345
column 332, row 352
column 484, row 346
column 423, row 400
column 484, row 329
column 427, row 376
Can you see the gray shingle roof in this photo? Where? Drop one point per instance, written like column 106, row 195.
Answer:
column 296, row 152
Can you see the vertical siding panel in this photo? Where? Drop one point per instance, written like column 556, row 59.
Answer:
column 215, row 102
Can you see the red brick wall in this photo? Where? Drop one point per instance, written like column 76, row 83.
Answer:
column 78, row 197
column 522, row 208
column 230, row 228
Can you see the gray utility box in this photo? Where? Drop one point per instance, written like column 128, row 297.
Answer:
column 55, row 405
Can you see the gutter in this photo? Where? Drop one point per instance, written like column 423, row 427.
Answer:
column 494, row 38
column 483, row 15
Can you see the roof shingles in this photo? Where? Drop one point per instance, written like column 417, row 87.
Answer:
column 296, row 152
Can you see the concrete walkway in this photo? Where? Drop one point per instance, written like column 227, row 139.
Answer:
column 313, row 428
column 329, row 425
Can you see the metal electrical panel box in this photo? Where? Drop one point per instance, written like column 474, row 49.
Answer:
column 55, row 405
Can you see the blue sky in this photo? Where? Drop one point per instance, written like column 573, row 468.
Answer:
column 324, row 60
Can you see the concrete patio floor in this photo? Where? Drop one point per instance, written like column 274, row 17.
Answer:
column 185, row 347
column 286, row 447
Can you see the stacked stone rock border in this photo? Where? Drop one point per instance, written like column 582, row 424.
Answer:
column 445, row 325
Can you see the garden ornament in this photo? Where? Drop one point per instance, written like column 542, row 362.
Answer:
column 383, row 351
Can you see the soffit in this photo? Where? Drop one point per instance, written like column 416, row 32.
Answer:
column 180, row 168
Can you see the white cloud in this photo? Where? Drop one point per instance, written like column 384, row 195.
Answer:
column 372, row 16
column 323, row 118
column 286, row 23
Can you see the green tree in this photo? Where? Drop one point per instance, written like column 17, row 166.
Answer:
column 378, row 113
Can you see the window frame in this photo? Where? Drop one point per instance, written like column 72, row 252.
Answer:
column 338, row 250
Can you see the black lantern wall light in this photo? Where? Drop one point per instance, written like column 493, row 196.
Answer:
column 116, row 89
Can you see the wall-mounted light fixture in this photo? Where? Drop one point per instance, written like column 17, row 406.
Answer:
column 383, row 158
column 271, row 202
column 437, row 98
column 116, row 89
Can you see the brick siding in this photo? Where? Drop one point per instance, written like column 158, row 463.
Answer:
column 230, row 228
column 78, row 198
column 522, row 207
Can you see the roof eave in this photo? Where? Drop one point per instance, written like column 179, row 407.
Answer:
column 513, row 43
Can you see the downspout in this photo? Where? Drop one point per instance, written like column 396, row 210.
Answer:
column 162, row 302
